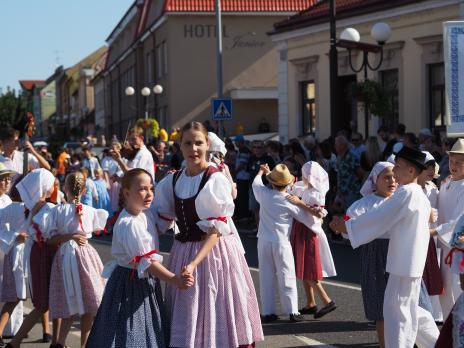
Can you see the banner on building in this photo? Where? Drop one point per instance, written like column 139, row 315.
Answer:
column 453, row 39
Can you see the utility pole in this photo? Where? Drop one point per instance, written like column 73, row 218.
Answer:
column 333, row 58
column 219, row 57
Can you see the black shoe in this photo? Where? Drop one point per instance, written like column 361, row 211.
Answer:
column 324, row 310
column 2, row 344
column 294, row 318
column 269, row 318
column 310, row 310
column 46, row 338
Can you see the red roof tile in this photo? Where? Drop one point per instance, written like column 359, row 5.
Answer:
column 28, row 84
column 319, row 12
column 238, row 5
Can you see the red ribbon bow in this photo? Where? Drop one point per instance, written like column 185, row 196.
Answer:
column 38, row 233
column 220, row 218
column 79, row 210
column 449, row 257
column 346, row 218
column 136, row 260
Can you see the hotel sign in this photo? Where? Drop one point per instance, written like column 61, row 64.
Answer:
column 453, row 38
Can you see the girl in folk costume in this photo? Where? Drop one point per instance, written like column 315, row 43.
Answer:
column 111, row 170
column 132, row 311
column 432, row 276
column 35, row 188
column 90, row 194
column 379, row 186
column 102, row 187
column 452, row 332
column 11, row 219
column 221, row 309
column 313, row 259
column 76, row 285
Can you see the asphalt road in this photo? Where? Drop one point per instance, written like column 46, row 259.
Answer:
column 345, row 327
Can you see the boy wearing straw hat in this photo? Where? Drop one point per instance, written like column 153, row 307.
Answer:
column 275, row 256
column 450, row 208
column 404, row 219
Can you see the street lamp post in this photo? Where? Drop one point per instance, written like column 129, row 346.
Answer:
column 145, row 91
column 219, row 56
column 349, row 39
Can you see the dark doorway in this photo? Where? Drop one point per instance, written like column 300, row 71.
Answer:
column 346, row 106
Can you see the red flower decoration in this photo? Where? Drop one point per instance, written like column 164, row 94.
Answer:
column 346, row 218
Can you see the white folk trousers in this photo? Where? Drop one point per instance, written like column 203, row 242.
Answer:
column 277, row 274
column 405, row 322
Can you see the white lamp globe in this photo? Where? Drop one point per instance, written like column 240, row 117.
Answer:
column 158, row 89
column 129, row 90
column 145, row 91
column 350, row 34
column 381, row 32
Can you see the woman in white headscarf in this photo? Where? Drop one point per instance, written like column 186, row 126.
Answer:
column 313, row 259
column 379, row 186
column 217, row 152
column 34, row 190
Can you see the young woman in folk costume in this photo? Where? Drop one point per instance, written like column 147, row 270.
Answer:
column 378, row 187
column 220, row 309
column 11, row 218
column 132, row 312
column 76, row 285
column 313, row 259
column 35, row 188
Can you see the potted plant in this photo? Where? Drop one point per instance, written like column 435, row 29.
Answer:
column 374, row 96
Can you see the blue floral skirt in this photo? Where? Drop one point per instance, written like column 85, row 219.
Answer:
column 131, row 313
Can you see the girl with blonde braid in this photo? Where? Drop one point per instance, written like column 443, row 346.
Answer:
column 76, row 285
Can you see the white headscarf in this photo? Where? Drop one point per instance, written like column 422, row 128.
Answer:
column 371, row 183
column 316, row 176
column 428, row 158
column 216, row 144
column 34, row 185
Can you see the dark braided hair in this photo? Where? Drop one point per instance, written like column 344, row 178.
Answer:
column 127, row 180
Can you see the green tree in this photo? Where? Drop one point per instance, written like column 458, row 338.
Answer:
column 9, row 104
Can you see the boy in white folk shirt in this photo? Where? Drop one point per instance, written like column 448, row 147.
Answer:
column 275, row 255
column 405, row 216
column 450, row 208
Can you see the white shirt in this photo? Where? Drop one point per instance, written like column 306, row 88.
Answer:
column 364, row 205
column 450, row 207
column 431, row 191
column 4, row 200
column 110, row 165
column 16, row 163
column 276, row 213
column 406, row 215
column 134, row 236
column 143, row 160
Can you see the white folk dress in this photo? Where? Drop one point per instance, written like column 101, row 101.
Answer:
column 12, row 257
column 220, row 309
column 76, row 285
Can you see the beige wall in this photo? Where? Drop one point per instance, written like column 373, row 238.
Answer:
column 415, row 42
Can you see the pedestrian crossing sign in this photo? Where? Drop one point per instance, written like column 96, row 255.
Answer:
column 222, row 109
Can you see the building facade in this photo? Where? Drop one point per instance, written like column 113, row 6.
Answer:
column 173, row 43
column 412, row 67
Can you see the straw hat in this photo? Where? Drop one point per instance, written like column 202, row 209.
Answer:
column 458, row 147
column 280, row 176
column 5, row 171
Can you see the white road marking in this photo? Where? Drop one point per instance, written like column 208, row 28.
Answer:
column 313, row 343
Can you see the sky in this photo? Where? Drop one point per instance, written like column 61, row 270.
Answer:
column 36, row 36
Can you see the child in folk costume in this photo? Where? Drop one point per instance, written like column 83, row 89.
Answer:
column 90, row 194
column 76, row 285
column 11, row 218
column 379, row 186
column 452, row 332
column 404, row 218
column 220, row 309
column 313, row 259
column 35, row 188
column 450, row 208
column 102, row 187
column 274, row 249
column 432, row 275
column 132, row 312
